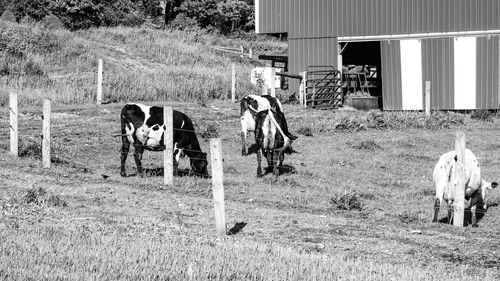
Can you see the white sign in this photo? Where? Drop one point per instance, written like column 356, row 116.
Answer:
column 263, row 75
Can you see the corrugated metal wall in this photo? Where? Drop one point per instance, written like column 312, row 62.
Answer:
column 487, row 72
column 272, row 16
column 391, row 75
column 338, row 18
column 437, row 67
column 306, row 52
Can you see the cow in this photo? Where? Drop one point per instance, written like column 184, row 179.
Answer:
column 143, row 126
column 271, row 140
column 253, row 104
column 475, row 189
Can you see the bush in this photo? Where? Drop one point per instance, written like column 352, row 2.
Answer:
column 482, row 115
column 347, row 201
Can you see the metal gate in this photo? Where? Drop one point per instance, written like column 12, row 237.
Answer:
column 322, row 87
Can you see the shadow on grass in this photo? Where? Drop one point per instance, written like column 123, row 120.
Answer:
column 467, row 216
column 236, row 228
column 158, row 172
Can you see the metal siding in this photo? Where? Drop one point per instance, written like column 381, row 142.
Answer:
column 391, row 75
column 306, row 52
column 437, row 67
column 487, row 73
column 306, row 19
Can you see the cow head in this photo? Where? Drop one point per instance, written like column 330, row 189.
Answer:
column 485, row 185
column 199, row 165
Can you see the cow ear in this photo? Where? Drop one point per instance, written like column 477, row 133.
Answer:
column 494, row 184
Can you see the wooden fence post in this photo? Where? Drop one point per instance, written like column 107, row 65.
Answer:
column 233, row 83
column 14, row 136
column 303, row 89
column 273, row 82
column 99, row 82
column 218, row 185
column 168, row 169
column 46, row 133
column 250, row 53
column 459, row 180
column 427, row 98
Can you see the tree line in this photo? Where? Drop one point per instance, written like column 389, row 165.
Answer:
column 225, row 16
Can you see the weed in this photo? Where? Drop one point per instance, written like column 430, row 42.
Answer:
column 347, row 201
column 482, row 115
column 39, row 196
column 211, row 131
column 306, row 131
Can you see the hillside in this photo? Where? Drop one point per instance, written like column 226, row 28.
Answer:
column 139, row 64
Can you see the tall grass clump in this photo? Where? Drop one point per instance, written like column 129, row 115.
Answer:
column 399, row 120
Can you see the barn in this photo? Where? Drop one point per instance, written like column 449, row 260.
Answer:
column 454, row 44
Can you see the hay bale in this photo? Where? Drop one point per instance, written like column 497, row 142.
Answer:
column 8, row 16
column 51, row 21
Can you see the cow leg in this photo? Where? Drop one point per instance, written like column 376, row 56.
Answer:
column 138, row 150
column 450, row 212
column 437, row 204
column 270, row 163
column 473, row 214
column 259, row 160
column 123, row 157
column 275, row 158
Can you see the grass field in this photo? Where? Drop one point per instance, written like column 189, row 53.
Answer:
column 81, row 221
column 70, row 222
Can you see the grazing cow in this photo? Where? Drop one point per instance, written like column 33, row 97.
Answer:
column 476, row 187
column 250, row 106
column 271, row 140
column 143, row 126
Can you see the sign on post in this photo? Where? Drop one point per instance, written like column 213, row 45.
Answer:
column 14, row 136
column 46, row 133
column 459, row 180
column 168, row 169
column 272, row 82
column 218, row 185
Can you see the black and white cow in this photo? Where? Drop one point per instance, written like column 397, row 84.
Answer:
column 475, row 187
column 271, row 140
column 253, row 104
column 143, row 127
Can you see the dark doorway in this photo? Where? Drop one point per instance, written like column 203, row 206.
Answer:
column 361, row 69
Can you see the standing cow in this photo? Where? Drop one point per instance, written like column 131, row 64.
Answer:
column 143, row 127
column 251, row 105
column 475, row 190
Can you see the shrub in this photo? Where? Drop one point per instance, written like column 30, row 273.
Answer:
column 39, row 197
column 482, row 115
column 347, row 201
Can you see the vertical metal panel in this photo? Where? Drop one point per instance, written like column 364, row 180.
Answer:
column 321, row 18
column 437, row 67
column 273, row 16
column 487, row 73
column 305, row 52
column 391, row 75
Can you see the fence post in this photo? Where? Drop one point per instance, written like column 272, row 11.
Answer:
column 168, row 169
column 233, row 83
column 427, row 98
column 14, row 136
column 459, row 182
column 273, row 82
column 250, row 53
column 46, row 133
column 99, row 82
column 218, row 185
column 303, row 89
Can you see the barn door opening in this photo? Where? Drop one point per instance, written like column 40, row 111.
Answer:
column 361, row 73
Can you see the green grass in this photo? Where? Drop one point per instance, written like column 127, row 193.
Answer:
column 134, row 228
